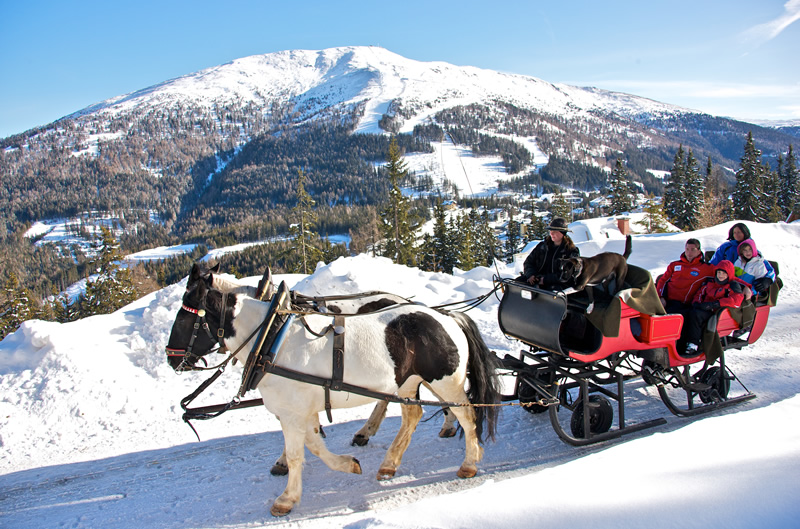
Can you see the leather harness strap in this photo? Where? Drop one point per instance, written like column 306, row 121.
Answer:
column 337, row 371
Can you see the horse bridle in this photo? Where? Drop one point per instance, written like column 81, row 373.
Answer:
column 201, row 323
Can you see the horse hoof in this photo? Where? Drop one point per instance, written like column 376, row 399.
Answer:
column 280, row 510
column 386, row 473
column 466, row 472
column 359, row 440
column 279, row 469
column 448, row 432
column 356, row 466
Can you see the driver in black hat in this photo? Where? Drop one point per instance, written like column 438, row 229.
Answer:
column 541, row 267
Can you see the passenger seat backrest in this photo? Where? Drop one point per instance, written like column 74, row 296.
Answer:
column 708, row 255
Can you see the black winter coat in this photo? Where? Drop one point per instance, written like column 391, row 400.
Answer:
column 543, row 261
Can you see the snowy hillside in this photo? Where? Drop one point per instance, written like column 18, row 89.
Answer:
column 315, row 80
column 91, row 436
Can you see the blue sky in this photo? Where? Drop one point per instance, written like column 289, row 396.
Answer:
column 727, row 57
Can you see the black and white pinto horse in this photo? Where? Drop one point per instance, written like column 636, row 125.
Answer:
column 392, row 351
column 347, row 304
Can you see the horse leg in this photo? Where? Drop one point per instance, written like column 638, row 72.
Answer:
column 449, row 425
column 280, row 468
column 294, row 433
column 449, row 428
column 362, row 437
column 316, row 445
column 466, row 417
column 411, row 415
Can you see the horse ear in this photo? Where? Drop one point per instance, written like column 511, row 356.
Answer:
column 195, row 272
column 215, row 269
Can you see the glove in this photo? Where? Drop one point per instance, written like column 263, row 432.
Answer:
column 762, row 284
column 707, row 305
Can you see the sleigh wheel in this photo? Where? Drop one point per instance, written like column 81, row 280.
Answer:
column 601, row 415
column 720, row 383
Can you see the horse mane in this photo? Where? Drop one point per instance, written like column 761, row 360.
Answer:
column 228, row 283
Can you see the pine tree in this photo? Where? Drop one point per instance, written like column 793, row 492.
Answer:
column 771, row 209
column 17, row 306
column 466, row 240
column 487, row 243
column 440, row 251
column 789, row 186
column 675, row 192
column 748, row 197
column 694, row 188
column 621, row 199
column 64, row 310
column 537, row 229
column 306, row 240
column 112, row 287
column 427, row 254
column 654, row 220
column 513, row 239
column 560, row 207
column 396, row 229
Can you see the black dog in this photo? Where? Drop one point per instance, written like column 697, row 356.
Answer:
column 590, row 271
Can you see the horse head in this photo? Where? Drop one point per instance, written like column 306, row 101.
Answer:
column 204, row 320
column 228, row 283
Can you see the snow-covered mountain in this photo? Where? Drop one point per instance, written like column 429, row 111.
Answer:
column 318, row 80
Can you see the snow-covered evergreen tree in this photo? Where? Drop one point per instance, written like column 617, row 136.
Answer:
column 65, row 310
column 396, row 230
column 537, row 229
column 442, row 249
column 466, row 239
column 675, row 190
column 694, row 190
column 654, row 220
column 789, row 185
column 513, row 239
column 17, row 306
column 486, row 241
column 748, row 196
column 770, row 207
column 560, row 207
column 306, row 239
column 621, row 198
column 113, row 287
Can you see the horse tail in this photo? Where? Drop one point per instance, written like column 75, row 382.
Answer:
column 483, row 380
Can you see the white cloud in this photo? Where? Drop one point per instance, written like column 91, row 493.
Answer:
column 769, row 30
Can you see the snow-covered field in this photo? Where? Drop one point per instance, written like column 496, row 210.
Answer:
column 91, row 435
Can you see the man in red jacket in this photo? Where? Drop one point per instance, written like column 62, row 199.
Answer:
column 724, row 291
column 683, row 278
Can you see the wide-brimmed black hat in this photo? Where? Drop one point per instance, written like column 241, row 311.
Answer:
column 558, row 224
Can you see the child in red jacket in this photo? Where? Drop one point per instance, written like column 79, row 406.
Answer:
column 724, row 291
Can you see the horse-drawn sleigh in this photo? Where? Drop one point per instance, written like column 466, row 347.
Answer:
column 293, row 349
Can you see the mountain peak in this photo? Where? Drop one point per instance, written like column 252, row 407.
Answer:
column 346, row 77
